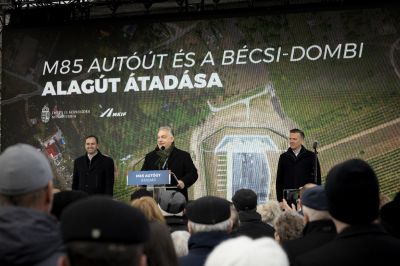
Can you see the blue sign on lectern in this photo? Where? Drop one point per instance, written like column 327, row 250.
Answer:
column 152, row 177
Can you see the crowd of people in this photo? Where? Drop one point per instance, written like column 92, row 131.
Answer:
column 340, row 223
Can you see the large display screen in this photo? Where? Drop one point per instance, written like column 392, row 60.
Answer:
column 230, row 87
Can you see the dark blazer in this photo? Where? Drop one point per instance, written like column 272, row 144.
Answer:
column 94, row 177
column 180, row 163
column 315, row 235
column 295, row 172
column 355, row 245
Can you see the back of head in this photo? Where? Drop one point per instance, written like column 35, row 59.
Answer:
column 208, row 210
column 160, row 248
column 62, row 199
column 352, row 191
column 209, row 214
column 98, row 230
column 149, row 208
column 245, row 200
column 244, row 251
column 24, row 170
column 315, row 198
column 180, row 239
column 289, row 225
column 269, row 211
column 172, row 201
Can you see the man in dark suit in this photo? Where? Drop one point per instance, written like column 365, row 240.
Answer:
column 167, row 157
column 93, row 172
column 296, row 165
column 352, row 191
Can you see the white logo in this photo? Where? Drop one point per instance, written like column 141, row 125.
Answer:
column 110, row 113
column 45, row 116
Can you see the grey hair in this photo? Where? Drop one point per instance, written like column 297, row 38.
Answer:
column 222, row 226
column 180, row 239
column 167, row 128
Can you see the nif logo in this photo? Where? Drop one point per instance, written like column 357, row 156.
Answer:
column 110, row 113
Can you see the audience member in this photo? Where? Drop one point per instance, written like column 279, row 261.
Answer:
column 209, row 224
column 180, row 239
column 269, row 211
column 352, row 192
column 29, row 235
column 244, row 251
column 63, row 198
column 160, row 248
column 149, row 208
column 297, row 207
column 245, row 201
column 319, row 228
column 101, row 231
column 172, row 204
column 390, row 216
column 289, row 225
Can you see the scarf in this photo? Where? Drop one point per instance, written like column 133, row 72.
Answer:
column 163, row 155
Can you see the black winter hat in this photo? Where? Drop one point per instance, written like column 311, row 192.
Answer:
column 315, row 198
column 64, row 198
column 352, row 191
column 245, row 199
column 208, row 210
column 102, row 219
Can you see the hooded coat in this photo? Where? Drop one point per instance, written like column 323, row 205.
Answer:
column 29, row 237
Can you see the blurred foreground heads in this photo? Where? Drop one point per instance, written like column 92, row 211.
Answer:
column 29, row 235
column 100, row 231
column 243, row 251
column 352, row 192
column 209, row 224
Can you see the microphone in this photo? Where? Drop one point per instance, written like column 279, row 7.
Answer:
column 162, row 148
column 315, row 145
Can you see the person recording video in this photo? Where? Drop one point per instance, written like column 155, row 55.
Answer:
column 167, row 157
column 296, row 166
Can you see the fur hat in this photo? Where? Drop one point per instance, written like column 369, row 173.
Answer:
column 352, row 191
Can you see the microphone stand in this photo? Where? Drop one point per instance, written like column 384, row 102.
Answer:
column 315, row 163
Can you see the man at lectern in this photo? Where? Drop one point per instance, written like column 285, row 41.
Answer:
column 167, row 157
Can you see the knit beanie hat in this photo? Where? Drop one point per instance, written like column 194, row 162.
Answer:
column 245, row 199
column 352, row 191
